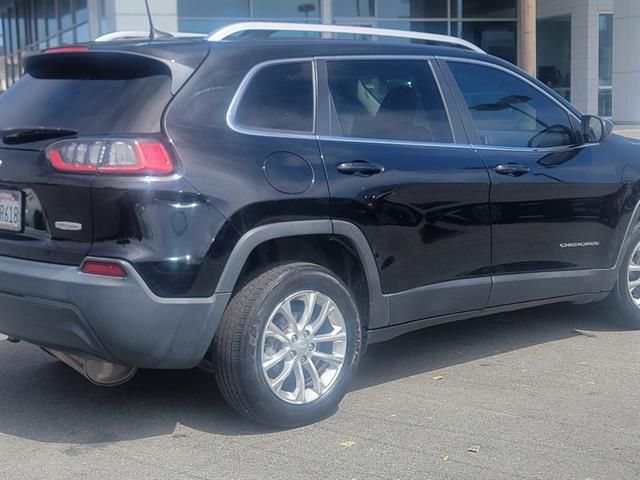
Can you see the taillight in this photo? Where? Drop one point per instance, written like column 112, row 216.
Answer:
column 106, row 269
column 116, row 156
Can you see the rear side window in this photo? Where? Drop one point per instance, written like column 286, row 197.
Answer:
column 279, row 97
column 509, row 112
column 388, row 99
column 90, row 95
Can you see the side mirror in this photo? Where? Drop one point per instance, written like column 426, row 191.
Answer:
column 595, row 129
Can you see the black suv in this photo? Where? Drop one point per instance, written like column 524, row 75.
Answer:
column 267, row 207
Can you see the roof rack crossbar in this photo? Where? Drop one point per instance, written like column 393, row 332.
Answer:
column 227, row 31
column 131, row 34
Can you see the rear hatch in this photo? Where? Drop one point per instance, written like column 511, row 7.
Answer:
column 72, row 93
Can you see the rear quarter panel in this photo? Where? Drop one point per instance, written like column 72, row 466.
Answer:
column 227, row 167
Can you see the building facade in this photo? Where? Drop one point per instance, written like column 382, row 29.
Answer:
column 583, row 46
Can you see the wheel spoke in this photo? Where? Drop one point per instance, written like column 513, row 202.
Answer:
column 273, row 360
column 332, row 358
column 335, row 336
column 274, row 331
column 286, row 312
column 310, row 299
column 318, row 386
column 633, row 267
column 277, row 382
column 300, row 383
column 633, row 284
column 327, row 308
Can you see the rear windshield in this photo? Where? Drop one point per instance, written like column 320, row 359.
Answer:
column 90, row 104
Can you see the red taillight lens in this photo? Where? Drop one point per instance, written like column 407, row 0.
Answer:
column 57, row 161
column 117, row 156
column 106, row 269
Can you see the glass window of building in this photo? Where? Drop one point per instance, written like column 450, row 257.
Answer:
column 286, row 9
column 13, row 33
column 203, row 17
column 103, row 16
column 21, row 24
column 2, row 82
column 495, row 38
column 426, row 27
column 81, row 12
column 353, row 8
column 213, row 8
column 40, row 24
column 82, row 33
column 413, row 9
column 52, row 22
column 489, row 8
column 453, row 5
column 554, row 54
column 5, row 46
column 65, row 13
column 605, row 65
column 40, row 14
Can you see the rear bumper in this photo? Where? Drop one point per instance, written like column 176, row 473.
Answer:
column 113, row 319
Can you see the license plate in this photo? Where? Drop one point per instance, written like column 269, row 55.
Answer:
column 11, row 210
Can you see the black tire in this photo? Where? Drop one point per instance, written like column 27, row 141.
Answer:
column 620, row 297
column 238, row 343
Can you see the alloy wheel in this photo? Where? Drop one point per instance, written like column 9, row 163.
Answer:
column 633, row 276
column 303, row 347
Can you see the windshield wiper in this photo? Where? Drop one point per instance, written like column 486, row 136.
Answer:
column 17, row 136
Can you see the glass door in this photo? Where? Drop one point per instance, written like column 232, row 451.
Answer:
column 554, row 54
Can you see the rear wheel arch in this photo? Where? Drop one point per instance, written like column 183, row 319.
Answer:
column 339, row 246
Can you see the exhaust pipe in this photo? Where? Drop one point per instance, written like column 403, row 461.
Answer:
column 103, row 374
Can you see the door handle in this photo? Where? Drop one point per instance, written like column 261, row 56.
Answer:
column 512, row 169
column 360, row 167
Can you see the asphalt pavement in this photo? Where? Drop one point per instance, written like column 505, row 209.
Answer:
column 550, row 393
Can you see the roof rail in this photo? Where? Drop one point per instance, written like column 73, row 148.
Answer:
column 132, row 34
column 227, row 31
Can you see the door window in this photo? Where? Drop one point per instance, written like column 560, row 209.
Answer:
column 388, row 99
column 508, row 112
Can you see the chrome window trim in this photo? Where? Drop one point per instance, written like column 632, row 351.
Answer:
column 269, row 132
column 406, row 143
column 560, row 148
column 390, row 56
column 337, row 138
